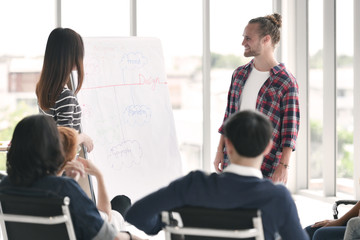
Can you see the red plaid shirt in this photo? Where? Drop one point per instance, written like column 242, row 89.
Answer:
column 278, row 100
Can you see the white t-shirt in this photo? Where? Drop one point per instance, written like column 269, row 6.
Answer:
column 251, row 89
column 117, row 221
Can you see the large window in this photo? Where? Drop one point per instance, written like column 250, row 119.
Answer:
column 342, row 33
column 316, row 94
column 24, row 28
column 344, row 83
column 104, row 18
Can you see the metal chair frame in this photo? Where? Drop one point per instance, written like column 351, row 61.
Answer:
column 174, row 225
column 64, row 218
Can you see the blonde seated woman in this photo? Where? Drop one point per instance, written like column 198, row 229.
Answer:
column 75, row 167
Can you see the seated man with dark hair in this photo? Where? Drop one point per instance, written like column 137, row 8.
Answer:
column 241, row 185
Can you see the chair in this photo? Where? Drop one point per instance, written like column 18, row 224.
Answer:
column 340, row 202
column 24, row 217
column 194, row 223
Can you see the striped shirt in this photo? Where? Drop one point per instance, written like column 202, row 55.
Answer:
column 67, row 111
column 278, row 100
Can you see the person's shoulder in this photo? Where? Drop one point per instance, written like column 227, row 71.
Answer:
column 45, row 186
column 63, row 182
column 281, row 191
column 197, row 176
column 48, row 179
column 66, row 92
column 284, row 74
column 280, row 186
column 67, row 181
column 200, row 173
column 274, row 189
column 243, row 67
column 67, row 186
column 66, row 97
column 56, row 179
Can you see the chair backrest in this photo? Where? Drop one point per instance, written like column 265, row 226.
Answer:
column 195, row 223
column 24, row 217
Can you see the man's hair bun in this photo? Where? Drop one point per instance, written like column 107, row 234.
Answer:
column 275, row 19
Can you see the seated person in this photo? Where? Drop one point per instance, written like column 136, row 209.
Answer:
column 332, row 229
column 33, row 161
column 70, row 141
column 352, row 229
column 241, row 185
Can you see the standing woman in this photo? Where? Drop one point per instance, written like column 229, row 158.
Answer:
column 56, row 98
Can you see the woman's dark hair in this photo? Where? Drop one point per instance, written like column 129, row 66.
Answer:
column 269, row 25
column 249, row 132
column 35, row 150
column 64, row 52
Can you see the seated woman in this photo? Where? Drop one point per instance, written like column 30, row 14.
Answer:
column 70, row 141
column 33, row 161
column 332, row 229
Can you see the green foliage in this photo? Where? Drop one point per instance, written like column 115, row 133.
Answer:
column 345, row 61
column 229, row 61
column 316, row 60
column 317, row 155
column 10, row 119
column 345, row 157
column 344, row 138
column 345, row 164
column 315, row 131
column 2, row 161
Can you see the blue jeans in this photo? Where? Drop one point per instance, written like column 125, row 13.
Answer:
column 326, row 233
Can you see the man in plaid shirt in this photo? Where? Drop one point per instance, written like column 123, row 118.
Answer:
column 265, row 85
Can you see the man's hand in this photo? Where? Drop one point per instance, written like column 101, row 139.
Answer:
column 219, row 161
column 219, row 158
column 87, row 141
column 327, row 223
column 280, row 174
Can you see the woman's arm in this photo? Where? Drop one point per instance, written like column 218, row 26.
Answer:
column 67, row 110
column 219, row 158
column 103, row 202
column 73, row 169
column 87, row 141
column 353, row 212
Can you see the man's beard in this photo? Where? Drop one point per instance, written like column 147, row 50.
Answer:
column 251, row 53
